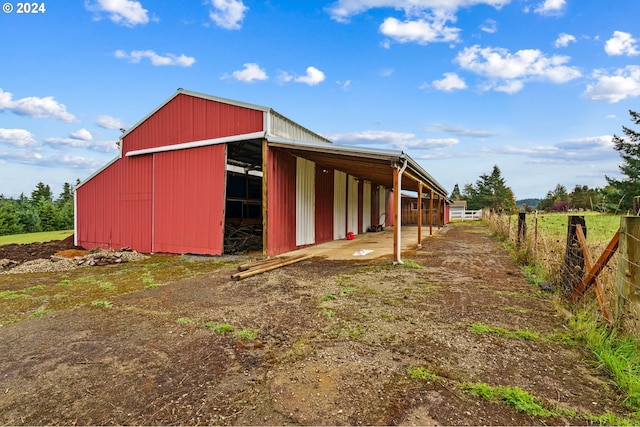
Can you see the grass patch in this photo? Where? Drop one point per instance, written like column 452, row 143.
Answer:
column 407, row 263
column 421, row 373
column 184, row 320
column 45, row 236
column 39, row 313
column 481, row 328
column 102, row 303
column 515, row 397
column 247, row 334
column 219, row 328
column 12, row 295
column 618, row 355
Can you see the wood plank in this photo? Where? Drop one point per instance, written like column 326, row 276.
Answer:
column 269, row 267
column 595, row 270
column 588, row 261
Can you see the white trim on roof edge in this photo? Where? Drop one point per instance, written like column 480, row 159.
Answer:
column 196, row 144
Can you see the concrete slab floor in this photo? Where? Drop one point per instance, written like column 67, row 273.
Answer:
column 369, row 245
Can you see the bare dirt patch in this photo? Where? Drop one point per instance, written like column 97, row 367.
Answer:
column 333, row 346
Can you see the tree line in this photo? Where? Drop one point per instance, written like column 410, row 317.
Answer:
column 40, row 212
column 491, row 192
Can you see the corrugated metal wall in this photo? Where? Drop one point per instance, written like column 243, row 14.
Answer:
column 305, row 202
column 324, row 204
column 283, row 127
column 189, row 199
column 281, row 204
column 187, row 118
column 366, row 205
column 114, row 208
column 339, row 205
column 352, row 204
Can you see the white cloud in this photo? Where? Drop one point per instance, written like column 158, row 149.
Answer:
column 312, row 78
column 250, row 73
column 17, row 137
column 342, row 10
column 564, row 39
column 99, row 146
column 489, row 26
column 35, row 107
column 587, row 149
column 82, row 134
column 228, row 14
column 624, row 83
column 124, row 12
column 550, row 7
column 461, row 132
column 108, row 122
column 450, row 82
column 422, row 31
column 621, row 44
column 389, row 139
column 506, row 71
column 157, row 60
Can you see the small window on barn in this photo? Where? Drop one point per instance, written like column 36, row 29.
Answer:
column 414, row 206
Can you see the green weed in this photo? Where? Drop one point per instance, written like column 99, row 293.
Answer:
column 247, row 334
column 107, row 286
column 219, row 328
column 184, row 320
column 12, row 295
column 515, row 397
column 104, row 304
column 39, row 313
column 329, row 297
column 407, row 263
column 421, row 373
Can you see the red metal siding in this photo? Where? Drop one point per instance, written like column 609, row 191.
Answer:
column 187, row 118
column 324, row 204
column 114, row 208
column 189, row 195
column 281, row 204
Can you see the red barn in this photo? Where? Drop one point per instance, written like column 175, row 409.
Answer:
column 198, row 162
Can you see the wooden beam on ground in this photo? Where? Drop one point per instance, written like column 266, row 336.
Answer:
column 588, row 261
column 269, row 267
column 596, row 268
column 259, row 262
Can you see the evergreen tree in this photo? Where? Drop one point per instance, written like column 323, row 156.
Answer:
column 9, row 220
column 629, row 149
column 490, row 192
column 41, row 191
column 455, row 194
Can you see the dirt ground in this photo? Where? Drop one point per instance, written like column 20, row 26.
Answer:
column 335, row 342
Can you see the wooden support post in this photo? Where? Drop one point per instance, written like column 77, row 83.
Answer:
column 596, row 268
column 396, row 215
column 604, row 307
column 265, row 198
column 420, row 215
column 636, row 206
column 431, row 212
column 522, row 228
column 573, row 260
column 628, row 275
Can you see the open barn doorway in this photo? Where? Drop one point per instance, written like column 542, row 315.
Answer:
column 243, row 202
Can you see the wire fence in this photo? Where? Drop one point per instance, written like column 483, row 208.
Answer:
column 573, row 249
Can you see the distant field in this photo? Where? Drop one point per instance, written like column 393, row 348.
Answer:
column 600, row 227
column 45, row 236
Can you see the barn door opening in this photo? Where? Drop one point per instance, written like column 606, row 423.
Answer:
column 243, row 201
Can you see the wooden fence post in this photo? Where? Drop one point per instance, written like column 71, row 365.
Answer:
column 636, row 205
column 522, row 228
column 574, row 259
column 628, row 275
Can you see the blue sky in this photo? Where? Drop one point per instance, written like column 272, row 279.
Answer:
column 537, row 87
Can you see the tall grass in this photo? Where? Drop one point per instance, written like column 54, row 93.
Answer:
column 542, row 251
